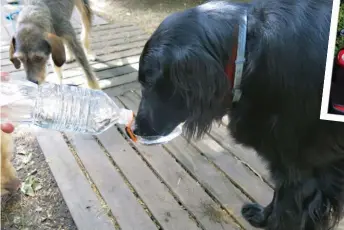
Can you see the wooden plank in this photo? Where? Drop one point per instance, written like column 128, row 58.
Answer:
column 156, row 196
column 103, row 70
column 113, row 59
column 194, row 198
column 5, row 34
column 130, row 56
column 105, row 84
column 108, row 38
column 98, row 36
column 108, row 50
column 102, row 74
column 76, row 19
column 108, row 83
column 108, row 26
column 6, row 42
column 111, row 35
column 4, row 48
column 82, row 202
column 121, row 89
column 248, row 156
column 121, row 47
column 7, row 25
column 123, row 38
column 114, row 39
column 114, row 33
column 215, row 182
column 122, row 202
column 98, row 20
column 109, row 59
column 235, row 170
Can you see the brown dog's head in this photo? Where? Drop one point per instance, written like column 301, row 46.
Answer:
column 32, row 47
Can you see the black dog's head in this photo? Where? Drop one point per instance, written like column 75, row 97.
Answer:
column 182, row 72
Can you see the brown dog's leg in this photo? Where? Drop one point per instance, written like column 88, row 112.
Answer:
column 70, row 37
column 86, row 18
column 69, row 54
column 58, row 73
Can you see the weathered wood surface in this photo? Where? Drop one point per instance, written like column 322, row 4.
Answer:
column 81, row 200
column 109, row 182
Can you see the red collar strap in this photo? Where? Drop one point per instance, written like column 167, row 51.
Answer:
column 234, row 69
column 230, row 68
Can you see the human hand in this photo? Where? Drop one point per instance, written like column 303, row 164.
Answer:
column 6, row 127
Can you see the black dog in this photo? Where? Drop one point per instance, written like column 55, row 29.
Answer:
column 183, row 78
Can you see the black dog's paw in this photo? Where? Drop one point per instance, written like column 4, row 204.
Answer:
column 254, row 214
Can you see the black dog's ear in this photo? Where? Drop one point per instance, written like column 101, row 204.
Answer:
column 202, row 81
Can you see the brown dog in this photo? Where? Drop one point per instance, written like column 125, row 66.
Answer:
column 44, row 31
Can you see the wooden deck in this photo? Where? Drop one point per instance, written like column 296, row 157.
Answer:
column 108, row 182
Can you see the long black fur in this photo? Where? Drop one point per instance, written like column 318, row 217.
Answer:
column 183, row 79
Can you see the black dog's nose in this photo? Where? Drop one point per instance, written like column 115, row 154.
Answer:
column 143, row 128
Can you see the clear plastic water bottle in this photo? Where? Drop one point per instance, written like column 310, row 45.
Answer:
column 60, row 107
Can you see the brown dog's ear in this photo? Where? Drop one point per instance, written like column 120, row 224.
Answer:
column 57, row 49
column 14, row 60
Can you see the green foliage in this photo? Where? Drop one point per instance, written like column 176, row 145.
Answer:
column 340, row 40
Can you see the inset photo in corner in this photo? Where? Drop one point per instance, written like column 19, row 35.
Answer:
column 332, row 107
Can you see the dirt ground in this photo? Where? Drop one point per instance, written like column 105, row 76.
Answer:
column 147, row 14
column 47, row 209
